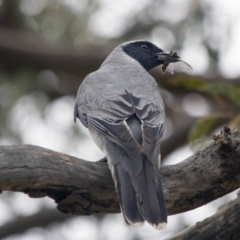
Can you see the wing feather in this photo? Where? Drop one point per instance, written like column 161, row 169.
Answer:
column 108, row 116
column 117, row 132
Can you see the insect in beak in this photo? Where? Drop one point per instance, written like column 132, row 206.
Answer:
column 171, row 59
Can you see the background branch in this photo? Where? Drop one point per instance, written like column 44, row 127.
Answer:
column 19, row 48
column 82, row 187
column 41, row 219
column 222, row 225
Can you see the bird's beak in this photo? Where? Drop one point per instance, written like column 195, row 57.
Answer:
column 168, row 57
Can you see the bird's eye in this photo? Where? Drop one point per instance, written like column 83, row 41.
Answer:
column 145, row 47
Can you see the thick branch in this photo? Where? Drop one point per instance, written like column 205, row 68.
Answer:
column 225, row 224
column 82, row 187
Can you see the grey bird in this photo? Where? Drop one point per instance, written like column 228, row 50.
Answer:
column 121, row 106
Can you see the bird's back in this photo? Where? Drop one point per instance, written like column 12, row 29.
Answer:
column 115, row 78
column 121, row 106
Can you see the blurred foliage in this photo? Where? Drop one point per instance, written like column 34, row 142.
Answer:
column 235, row 122
column 204, row 126
column 227, row 90
column 190, row 84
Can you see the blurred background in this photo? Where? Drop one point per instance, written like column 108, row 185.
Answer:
column 47, row 47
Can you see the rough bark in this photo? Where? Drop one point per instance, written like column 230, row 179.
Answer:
column 225, row 224
column 81, row 187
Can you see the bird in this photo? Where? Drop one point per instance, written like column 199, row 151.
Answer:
column 121, row 105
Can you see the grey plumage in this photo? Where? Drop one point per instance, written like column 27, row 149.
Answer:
column 121, row 106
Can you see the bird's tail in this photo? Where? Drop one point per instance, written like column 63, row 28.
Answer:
column 138, row 183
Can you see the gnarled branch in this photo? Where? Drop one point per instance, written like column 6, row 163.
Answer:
column 82, row 187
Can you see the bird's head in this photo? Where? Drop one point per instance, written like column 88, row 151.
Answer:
column 146, row 53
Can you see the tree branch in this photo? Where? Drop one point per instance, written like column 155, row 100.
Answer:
column 225, row 224
column 82, row 187
column 19, row 48
column 41, row 219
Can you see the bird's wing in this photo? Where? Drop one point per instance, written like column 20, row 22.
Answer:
column 107, row 113
column 150, row 111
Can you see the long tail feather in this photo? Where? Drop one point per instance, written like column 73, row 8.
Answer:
column 139, row 190
column 150, row 195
